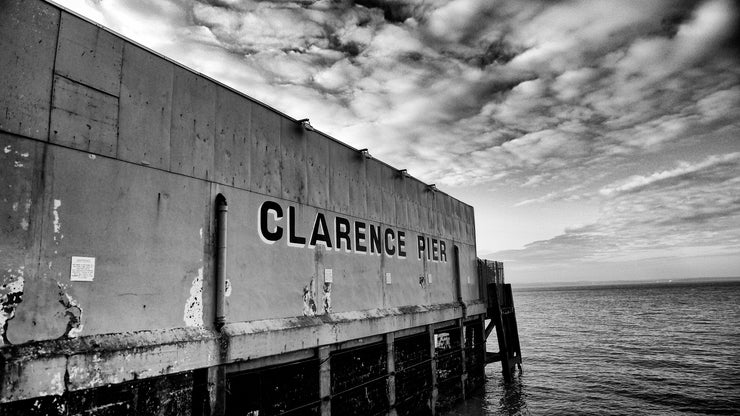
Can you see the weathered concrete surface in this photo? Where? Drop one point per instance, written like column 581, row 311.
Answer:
column 146, row 108
column 233, row 139
column 181, row 394
column 265, row 153
column 28, row 38
column 318, row 170
column 144, row 228
column 293, row 170
column 84, row 118
column 89, row 55
column 21, row 164
column 95, row 361
column 193, row 125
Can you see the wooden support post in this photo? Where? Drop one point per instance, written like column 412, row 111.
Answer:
column 391, row 368
column 500, row 310
column 463, row 363
column 433, row 365
column 503, row 347
column 484, row 335
column 514, row 339
column 325, row 380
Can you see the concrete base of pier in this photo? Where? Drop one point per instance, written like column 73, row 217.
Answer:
column 421, row 369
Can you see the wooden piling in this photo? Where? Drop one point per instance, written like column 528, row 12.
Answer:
column 500, row 311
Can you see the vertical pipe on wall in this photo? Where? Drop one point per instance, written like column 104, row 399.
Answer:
column 221, row 214
column 458, row 281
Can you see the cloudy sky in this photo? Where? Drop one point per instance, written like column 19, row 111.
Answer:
column 596, row 139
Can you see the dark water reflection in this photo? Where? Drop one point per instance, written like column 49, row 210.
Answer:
column 496, row 398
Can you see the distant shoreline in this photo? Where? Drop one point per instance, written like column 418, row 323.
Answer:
column 608, row 283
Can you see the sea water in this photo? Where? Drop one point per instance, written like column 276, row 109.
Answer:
column 640, row 349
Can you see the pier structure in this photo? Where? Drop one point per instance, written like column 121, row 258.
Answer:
column 171, row 246
column 502, row 318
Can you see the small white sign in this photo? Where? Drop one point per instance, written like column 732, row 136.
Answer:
column 429, row 278
column 468, row 279
column 387, row 278
column 328, row 276
column 82, row 269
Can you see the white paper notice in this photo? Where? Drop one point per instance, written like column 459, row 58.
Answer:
column 83, row 269
column 328, row 276
column 387, row 278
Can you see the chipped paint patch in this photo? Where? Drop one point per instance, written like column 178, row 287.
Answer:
column 327, row 297
column 25, row 154
column 15, row 207
column 6, row 150
column 57, row 224
column 200, row 232
column 57, row 380
column 17, row 164
column 227, row 288
column 194, row 306
column 11, row 295
column 73, row 311
column 24, row 224
column 309, row 303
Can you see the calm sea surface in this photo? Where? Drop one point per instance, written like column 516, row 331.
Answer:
column 649, row 349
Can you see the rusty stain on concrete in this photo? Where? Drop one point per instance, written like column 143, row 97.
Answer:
column 11, row 295
column 309, row 296
column 73, row 311
column 194, row 305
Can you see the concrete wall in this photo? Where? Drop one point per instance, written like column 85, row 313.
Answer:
column 111, row 152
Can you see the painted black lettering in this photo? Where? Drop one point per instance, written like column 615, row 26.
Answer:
column 429, row 252
column 320, row 231
column 435, row 249
column 267, row 235
column 421, row 246
column 390, row 249
column 442, row 252
column 341, row 230
column 402, row 244
column 375, row 243
column 293, row 238
column 360, row 246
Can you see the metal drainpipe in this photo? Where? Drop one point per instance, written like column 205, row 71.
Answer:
column 221, row 214
column 458, row 280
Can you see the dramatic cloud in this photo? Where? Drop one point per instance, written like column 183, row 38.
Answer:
column 691, row 208
column 549, row 104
